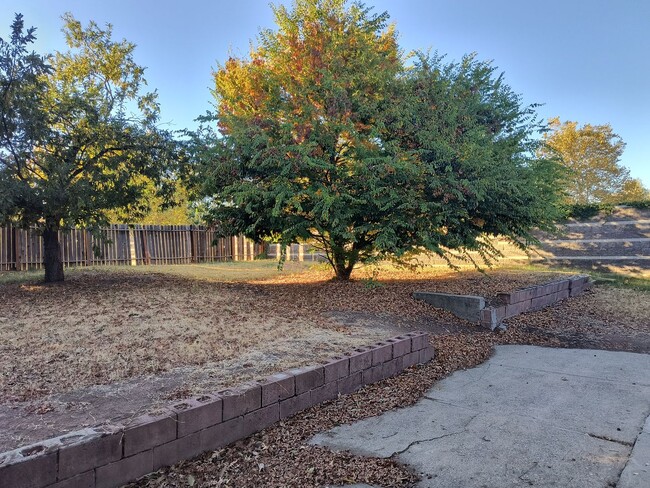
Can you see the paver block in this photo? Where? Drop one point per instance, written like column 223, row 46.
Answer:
column 177, row 450
column 125, row 470
column 147, row 431
column 277, row 387
column 241, row 400
column 198, row 413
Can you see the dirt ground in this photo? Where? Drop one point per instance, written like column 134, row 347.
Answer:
column 106, row 341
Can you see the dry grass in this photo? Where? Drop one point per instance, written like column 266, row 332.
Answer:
column 106, row 325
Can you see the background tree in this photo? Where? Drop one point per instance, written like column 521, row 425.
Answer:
column 90, row 143
column 632, row 191
column 325, row 135
column 591, row 154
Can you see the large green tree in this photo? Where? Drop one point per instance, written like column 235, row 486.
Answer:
column 325, row 135
column 79, row 138
column 591, row 154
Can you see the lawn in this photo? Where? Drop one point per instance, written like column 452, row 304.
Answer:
column 193, row 328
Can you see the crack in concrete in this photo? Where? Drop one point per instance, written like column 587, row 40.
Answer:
column 420, row 441
column 521, row 476
column 610, row 439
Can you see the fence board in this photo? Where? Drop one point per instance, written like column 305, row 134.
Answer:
column 119, row 244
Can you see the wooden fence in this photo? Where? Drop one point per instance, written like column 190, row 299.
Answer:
column 22, row 249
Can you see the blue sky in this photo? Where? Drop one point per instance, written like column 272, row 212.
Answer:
column 585, row 60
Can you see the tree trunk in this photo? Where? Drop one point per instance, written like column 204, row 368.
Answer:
column 343, row 262
column 52, row 255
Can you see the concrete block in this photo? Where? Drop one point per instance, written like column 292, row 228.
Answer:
column 411, row 359
column 562, row 295
column 147, row 431
column 564, row 285
column 488, row 318
column 177, row 450
column 277, row 387
column 29, row 470
column 518, row 308
column 125, row 470
column 308, row 378
column 518, row 295
column 96, row 450
column 198, row 413
column 293, row 405
column 401, row 346
column 541, row 302
column 335, row 369
column 241, row 400
column 578, row 280
column 394, row 367
column 353, row 382
column 419, row 340
column 83, row 480
column 261, row 419
column 360, row 359
column 222, row 434
column 373, row 375
column 466, row 307
column 381, row 352
column 329, row 391
column 426, row 355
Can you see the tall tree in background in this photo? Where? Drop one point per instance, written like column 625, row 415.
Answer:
column 324, row 135
column 82, row 137
column 592, row 154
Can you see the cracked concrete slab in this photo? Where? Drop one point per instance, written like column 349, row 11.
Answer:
column 528, row 416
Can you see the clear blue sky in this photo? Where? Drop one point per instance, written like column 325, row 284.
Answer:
column 586, row 60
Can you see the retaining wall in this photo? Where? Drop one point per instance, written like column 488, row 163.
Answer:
column 112, row 455
column 532, row 298
column 473, row 309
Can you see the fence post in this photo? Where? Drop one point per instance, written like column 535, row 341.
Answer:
column 192, row 244
column 301, row 252
column 18, row 250
column 131, row 238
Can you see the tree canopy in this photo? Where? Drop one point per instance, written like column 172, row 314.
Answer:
column 591, row 154
column 326, row 134
column 79, row 136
